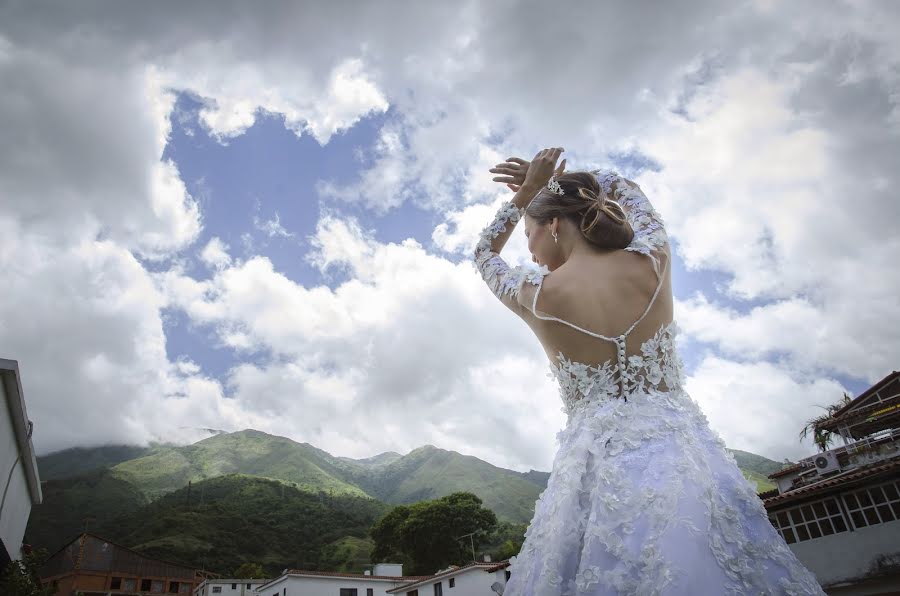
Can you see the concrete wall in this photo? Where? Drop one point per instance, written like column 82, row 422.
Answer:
column 17, row 506
column 849, row 555
column 472, row 582
column 325, row 586
column 240, row 589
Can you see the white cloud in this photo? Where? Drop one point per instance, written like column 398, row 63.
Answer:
column 780, row 177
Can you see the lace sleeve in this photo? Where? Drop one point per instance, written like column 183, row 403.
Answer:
column 504, row 281
column 649, row 231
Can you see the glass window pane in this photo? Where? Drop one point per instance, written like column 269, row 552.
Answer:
column 796, row 517
column 807, row 513
column 814, row 530
column 895, row 507
column 788, row 535
column 890, row 491
column 782, row 519
column 864, row 499
column 885, row 512
column 858, row 520
column 802, row 533
column 850, row 500
column 839, row 525
column 819, row 510
column 827, row 528
column 871, row 516
column 832, row 506
column 877, row 495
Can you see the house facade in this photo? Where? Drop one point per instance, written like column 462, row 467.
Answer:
column 22, row 484
column 93, row 566
column 294, row 582
column 474, row 579
column 229, row 587
column 839, row 510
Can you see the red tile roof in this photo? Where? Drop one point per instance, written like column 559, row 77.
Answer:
column 847, row 478
column 498, row 566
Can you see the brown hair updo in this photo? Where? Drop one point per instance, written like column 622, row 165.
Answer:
column 601, row 220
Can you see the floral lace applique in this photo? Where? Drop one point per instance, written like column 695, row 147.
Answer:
column 637, row 484
column 649, row 230
column 502, row 279
column 656, row 367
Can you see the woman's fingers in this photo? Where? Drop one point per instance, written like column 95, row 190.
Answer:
column 513, row 187
column 505, row 179
column 517, row 160
column 561, row 169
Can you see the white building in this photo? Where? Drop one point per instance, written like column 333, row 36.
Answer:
column 474, row 579
column 840, row 510
column 18, row 465
column 294, row 582
column 229, row 587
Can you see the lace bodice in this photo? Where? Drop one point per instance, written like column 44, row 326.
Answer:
column 654, row 366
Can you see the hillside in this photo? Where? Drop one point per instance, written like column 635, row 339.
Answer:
column 218, row 524
column 246, row 452
column 100, row 494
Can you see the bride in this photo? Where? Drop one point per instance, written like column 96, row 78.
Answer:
column 643, row 498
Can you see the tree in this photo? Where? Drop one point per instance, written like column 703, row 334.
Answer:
column 823, row 438
column 249, row 571
column 22, row 578
column 431, row 535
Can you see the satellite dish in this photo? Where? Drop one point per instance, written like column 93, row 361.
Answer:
column 497, row 587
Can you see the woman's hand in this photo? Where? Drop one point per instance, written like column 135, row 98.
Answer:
column 515, row 169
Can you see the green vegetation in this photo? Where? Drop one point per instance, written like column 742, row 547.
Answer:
column 222, row 523
column 21, row 578
column 179, row 503
column 430, row 535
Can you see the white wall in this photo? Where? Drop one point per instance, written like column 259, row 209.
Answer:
column 472, row 582
column 206, row 589
column 17, row 506
column 326, row 586
column 849, row 555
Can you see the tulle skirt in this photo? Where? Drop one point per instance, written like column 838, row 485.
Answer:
column 644, row 499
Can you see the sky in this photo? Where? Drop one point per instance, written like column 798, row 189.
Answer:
column 223, row 215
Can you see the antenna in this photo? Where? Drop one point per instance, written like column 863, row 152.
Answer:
column 471, row 542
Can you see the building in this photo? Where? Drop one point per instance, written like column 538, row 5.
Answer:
column 839, row 510
column 474, row 579
column 229, row 587
column 22, row 485
column 93, row 566
column 294, row 582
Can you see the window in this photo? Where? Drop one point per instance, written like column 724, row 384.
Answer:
column 234, row 586
column 370, row 592
column 413, row 593
column 808, row 521
column 508, row 575
column 438, row 589
column 873, row 505
column 158, row 586
column 145, row 585
column 452, row 582
column 217, row 589
column 248, row 586
column 184, row 588
column 173, row 587
column 115, row 583
column 348, row 591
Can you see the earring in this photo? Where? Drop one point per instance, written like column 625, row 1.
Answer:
column 555, row 237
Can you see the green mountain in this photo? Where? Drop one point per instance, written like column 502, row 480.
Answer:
column 429, row 473
column 87, row 488
column 72, row 462
column 218, row 524
column 251, row 452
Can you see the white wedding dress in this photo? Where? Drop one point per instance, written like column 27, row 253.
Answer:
column 642, row 498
